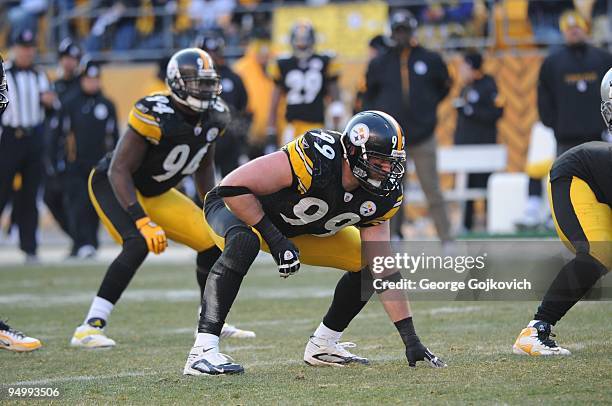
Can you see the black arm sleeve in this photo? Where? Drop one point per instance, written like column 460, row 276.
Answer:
column 546, row 101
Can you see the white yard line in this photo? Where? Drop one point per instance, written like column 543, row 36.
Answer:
column 79, row 378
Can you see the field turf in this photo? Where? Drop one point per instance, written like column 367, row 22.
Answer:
column 154, row 322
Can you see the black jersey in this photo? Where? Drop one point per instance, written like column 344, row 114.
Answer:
column 305, row 82
column 316, row 203
column 591, row 162
column 177, row 142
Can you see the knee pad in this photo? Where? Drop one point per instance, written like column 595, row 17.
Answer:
column 206, row 259
column 241, row 248
column 133, row 252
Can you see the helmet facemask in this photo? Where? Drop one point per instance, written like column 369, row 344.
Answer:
column 368, row 168
column 606, row 113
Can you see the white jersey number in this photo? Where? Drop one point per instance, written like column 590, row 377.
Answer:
column 176, row 160
column 303, row 86
column 318, row 209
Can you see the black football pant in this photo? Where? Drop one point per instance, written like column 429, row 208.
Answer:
column 22, row 153
column 54, row 199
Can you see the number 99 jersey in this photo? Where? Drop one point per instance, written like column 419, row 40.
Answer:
column 304, row 81
column 317, row 203
column 178, row 142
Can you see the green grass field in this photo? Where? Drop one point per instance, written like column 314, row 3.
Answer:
column 153, row 326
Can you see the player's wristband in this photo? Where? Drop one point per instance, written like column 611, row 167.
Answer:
column 136, row 211
column 405, row 328
column 268, row 231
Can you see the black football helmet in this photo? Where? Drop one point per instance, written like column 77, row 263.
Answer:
column 373, row 145
column 302, row 39
column 192, row 79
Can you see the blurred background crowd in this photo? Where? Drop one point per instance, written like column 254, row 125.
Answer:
column 101, row 56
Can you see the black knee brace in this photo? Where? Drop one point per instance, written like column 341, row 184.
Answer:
column 241, row 248
column 205, row 261
column 122, row 269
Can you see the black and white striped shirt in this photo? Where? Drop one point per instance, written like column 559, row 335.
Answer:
column 25, row 87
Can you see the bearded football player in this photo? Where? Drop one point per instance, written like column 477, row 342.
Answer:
column 580, row 196
column 314, row 202
column 170, row 136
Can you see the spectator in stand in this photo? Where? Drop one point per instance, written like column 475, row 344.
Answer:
column 25, row 16
column 443, row 21
column 544, row 16
column 113, row 18
column 208, row 15
column 479, row 106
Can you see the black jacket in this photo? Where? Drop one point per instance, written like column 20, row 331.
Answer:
column 568, row 92
column 87, row 130
column 479, row 109
column 428, row 83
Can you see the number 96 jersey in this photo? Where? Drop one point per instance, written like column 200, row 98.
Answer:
column 317, row 203
column 178, row 142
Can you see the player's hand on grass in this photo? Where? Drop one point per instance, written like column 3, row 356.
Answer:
column 416, row 351
column 153, row 234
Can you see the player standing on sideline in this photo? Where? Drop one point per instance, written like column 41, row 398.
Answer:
column 306, row 78
column 313, row 202
column 170, row 136
column 580, row 193
column 11, row 339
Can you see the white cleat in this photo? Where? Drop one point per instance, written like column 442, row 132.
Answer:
column 230, row 331
column 15, row 340
column 323, row 352
column 535, row 340
column 91, row 336
column 210, row 362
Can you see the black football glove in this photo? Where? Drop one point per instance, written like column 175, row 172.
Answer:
column 287, row 257
column 418, row 352
column 285, row 253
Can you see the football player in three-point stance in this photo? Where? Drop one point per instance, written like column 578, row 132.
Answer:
column 306, row 78
column 314, row 202
column 170, row 136
column 580, row 196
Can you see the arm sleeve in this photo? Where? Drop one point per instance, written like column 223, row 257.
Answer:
column 371, row 85
column 444, row 81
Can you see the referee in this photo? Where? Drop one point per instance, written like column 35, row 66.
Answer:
column 21, row 136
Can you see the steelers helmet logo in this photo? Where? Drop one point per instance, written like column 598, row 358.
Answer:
column 212, row 134
column 367, row 208
column 359, row 134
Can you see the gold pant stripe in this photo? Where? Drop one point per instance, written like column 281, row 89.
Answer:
column 105, row 220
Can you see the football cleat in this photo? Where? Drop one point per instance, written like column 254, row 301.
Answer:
column 230, row 331
column 210, row 362
column 15, row 340
column 91, row 335
column 535, row 340
column 323, row 352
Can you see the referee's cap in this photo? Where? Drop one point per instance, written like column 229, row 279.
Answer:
column 69, row 48
column 90, row 68
column 24, row 37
